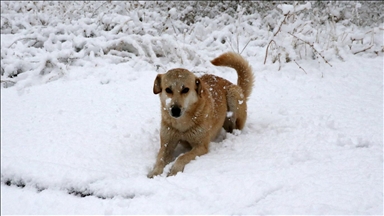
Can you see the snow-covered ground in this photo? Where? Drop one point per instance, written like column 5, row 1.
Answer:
column 80, row 137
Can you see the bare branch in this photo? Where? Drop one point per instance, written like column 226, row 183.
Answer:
column 22, row 39
column 285, row 18
column 94, row 12
column 247, row 44
column 363, row 50
column 314, row 49
column 7, row 83
column 266, row 51
column 230, row 43
column 300, row 66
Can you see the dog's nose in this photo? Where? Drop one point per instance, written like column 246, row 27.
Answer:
column 175, row 111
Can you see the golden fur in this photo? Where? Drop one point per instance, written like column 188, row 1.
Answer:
column 194, row 110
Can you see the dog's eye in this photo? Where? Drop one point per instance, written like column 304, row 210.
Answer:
column 168, row 90
column 185, row 90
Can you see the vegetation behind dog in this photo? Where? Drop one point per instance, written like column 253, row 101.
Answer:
column 71, row 34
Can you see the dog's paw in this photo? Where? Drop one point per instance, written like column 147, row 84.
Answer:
column 171, row 173
column 154, row 172
column 150, row 175
column 175, row 169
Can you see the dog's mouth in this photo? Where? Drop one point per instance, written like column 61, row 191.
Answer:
column 175, row 111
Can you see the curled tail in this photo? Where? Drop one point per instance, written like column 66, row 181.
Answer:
column 244, row 71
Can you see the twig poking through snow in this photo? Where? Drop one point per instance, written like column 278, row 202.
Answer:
column 7, row 83
column 22, row 39
column 94, row 12
column 300, row 66
column 363, row 50
column 285, row 18
column 314, row 49
column 247, row 45
column 266, row 51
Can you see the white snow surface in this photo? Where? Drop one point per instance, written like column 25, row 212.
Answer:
column 312, row 144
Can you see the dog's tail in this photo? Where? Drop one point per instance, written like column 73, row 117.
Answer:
column 244, row 70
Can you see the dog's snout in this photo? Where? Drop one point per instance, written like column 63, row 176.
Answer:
column 175, row 111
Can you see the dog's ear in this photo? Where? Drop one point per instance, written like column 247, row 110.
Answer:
column 157, row 85
column 198, row 86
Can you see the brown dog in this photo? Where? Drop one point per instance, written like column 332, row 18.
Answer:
column 194, row 110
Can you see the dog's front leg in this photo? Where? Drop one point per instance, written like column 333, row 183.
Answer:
column 164, row 156
column 182, row 160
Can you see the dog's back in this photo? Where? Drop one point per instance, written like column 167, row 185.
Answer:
column 244, row 70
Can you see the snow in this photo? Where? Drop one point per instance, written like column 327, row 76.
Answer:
column 168, row 101
column 82, row 137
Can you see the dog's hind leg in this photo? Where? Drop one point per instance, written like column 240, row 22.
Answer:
column 237, row 109
column 229, row 123
column 241, row 114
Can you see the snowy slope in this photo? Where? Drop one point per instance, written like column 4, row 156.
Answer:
column 84, row 142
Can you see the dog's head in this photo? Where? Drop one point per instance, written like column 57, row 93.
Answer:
column 178, row 89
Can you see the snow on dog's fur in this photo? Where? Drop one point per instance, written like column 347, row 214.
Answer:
column 193, row 109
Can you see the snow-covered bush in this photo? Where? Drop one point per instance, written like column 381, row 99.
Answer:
column 312, row 29
column 50, row 37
